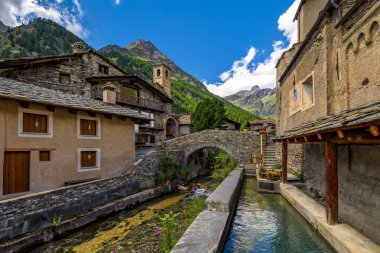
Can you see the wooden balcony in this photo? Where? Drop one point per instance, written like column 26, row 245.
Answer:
column 125, row 99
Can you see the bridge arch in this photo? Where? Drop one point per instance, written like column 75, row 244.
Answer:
column 238, row 144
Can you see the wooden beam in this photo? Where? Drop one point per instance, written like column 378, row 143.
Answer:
column 331, row 183
column 73, row 111
column 284, row 162
column 305, row 138
column 319, row 136
column 50, row 108
column 24, row 104
column 340, row 134
column 374, row 130
column 92, row 114
column 108, row 116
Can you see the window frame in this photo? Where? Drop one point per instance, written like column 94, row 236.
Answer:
column 304, row 108
column 86, row 169
column 64, row 74
column 98, row 128
column 103, row 69
column 50, row 124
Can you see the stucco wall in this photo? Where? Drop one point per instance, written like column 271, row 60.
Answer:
column 314, row 169
column 308, row 15
column 116, row 147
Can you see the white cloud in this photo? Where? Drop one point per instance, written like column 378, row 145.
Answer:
column 117, row 2
column 245, row 73
column 15, row 12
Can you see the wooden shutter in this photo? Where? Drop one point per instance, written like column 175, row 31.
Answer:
column 35, row 123
column 44, row 156
column 88, row 159
column 88, row 127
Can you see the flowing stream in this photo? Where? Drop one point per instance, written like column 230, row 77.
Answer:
column 268, row 223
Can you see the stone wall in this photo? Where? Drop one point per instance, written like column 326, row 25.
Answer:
column 239, row 145
column 295, row 156
column 359, row 188
column 314, row 169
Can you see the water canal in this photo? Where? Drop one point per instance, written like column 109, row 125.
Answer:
column 268, row 223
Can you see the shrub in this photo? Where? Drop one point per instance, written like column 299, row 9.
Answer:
column 169, row 227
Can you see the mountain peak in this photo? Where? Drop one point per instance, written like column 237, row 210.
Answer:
column 3, row 27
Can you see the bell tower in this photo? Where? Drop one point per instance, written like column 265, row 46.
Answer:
column 162, row 75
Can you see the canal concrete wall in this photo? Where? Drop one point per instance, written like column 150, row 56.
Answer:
column 209, row 230
column 343, row 237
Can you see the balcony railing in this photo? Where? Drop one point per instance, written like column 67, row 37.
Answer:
column 131, row 100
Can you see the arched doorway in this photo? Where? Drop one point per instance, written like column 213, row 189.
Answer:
column 171, row 128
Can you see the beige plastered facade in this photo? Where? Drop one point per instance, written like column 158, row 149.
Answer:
column 115, row 142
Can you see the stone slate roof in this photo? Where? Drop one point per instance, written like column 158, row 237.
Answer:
column 11, row 89
column 361, row 116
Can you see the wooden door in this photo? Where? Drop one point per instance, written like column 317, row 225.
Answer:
column 16, row 172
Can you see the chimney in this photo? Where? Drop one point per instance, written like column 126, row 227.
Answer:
column 109, row 93
column 78, row 47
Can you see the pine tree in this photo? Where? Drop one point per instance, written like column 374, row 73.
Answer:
column 208, row 114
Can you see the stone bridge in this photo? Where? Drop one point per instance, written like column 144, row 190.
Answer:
column 239, row 145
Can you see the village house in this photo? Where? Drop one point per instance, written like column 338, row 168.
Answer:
column 262, row 125
column 50, row 138
column 230, row 124
column 328, row 103
column 176, row 125
column 86, row 72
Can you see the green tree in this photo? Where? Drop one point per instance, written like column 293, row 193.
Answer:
column 208, row 114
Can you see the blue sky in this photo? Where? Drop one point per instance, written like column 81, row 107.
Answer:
column 206, row 38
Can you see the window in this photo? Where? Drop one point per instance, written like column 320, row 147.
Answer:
column 44, row 156
column 308, row 92
column 129, row 91
column 103, row 69
column 88, row 159
column 64, row 78
column 88, row 127
column 35, row 123
column 166, row 73
column 158, row 72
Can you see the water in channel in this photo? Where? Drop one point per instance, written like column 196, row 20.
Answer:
column 268, row 223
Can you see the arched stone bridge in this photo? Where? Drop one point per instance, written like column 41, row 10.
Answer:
column 239, row 145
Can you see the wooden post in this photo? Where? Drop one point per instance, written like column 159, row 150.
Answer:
column 284, row 162
column 331, row 184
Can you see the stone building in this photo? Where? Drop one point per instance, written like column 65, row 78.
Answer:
column 49, row 138
column 328, row 104
column 86, row 72
column 176, row 125
column 262, row 125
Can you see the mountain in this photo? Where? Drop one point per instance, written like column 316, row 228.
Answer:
column 3, row 27
column 258, row 101
column 44, row 37
column 148, row 51
column 40, row 37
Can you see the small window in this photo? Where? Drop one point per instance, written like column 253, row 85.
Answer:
column 44, row 156
column 35, row 123
column 158, row 72
column 88, row 159
column 103, row 69
column 307, row 92
column 88, row 127
column 166, row 73
column 64, row 78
